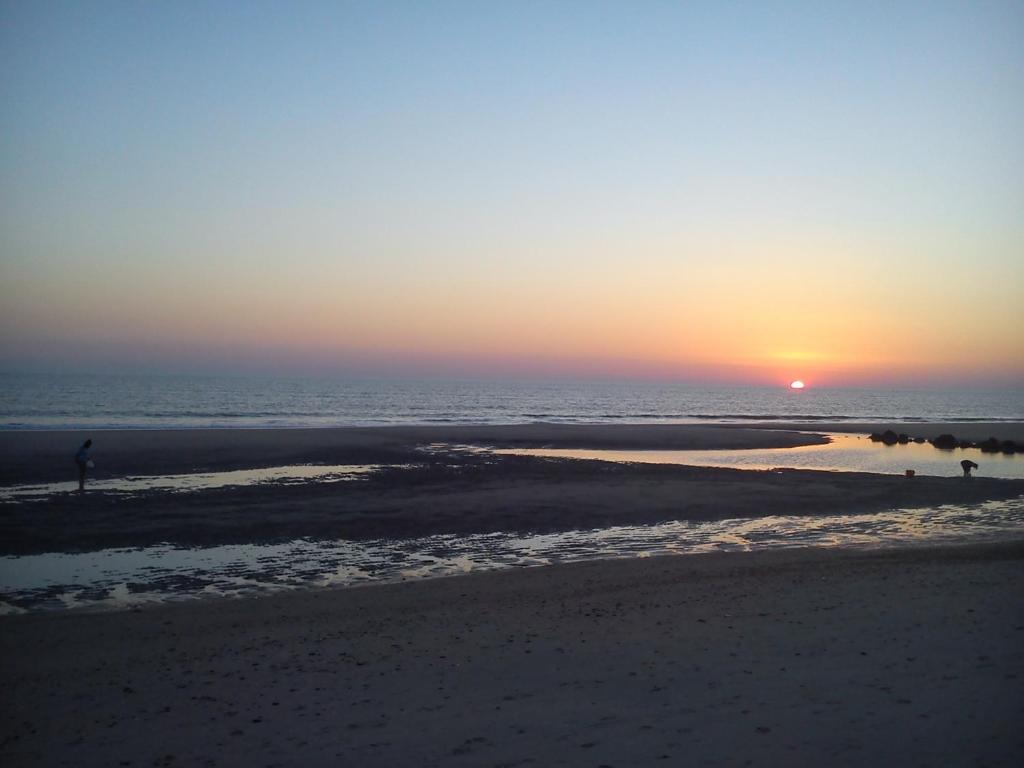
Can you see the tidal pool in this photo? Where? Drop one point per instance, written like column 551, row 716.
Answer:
column 846, row 453
column 200, row 481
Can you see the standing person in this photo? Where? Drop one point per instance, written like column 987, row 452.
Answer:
column 83, row 458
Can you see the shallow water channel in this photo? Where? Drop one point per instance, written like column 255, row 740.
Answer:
column 197, row 481
column 846, row 453
column 121, row 578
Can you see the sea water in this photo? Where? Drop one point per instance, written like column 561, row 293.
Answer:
column 38, row 401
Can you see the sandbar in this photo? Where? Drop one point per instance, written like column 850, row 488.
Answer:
column 46, row 455
column 424, row 493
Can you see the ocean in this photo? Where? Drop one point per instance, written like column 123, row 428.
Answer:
column 45, row 401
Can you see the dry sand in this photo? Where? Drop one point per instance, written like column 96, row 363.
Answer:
column 813, row 657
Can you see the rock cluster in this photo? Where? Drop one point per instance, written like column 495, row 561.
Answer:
column 949, row 442
column 890, row 438
column 946, row 441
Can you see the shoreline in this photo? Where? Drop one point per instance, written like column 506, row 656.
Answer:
column 832, row 423
column 717, row 657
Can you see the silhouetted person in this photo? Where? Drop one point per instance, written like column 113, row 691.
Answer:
column 84, row 461
column 968, row 465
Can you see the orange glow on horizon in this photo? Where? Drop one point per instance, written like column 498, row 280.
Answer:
column 696, row 322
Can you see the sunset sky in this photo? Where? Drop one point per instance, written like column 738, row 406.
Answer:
column 722, row 192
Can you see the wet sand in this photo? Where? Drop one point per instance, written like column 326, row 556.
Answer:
column 807, row 657
column 443, row 493
column 45, row 456
column 468, row 495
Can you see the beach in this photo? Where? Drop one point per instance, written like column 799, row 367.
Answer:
column 420, row 493
column 805, row 657
column 840, row 655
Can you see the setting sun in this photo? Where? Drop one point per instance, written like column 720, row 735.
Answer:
column 796, row 384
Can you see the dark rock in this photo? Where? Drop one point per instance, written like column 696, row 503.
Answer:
column 918, row 439
column 889, row 437
column 1009, row 446
column 965, row 444
column 947, row 442
column 903, row 439
column 875, row 437
column 991, row 445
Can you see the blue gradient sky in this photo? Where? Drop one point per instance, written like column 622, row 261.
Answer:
column 749, row 192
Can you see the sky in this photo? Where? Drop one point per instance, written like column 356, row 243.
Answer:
column 735, row 192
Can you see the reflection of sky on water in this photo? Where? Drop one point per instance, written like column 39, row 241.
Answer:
column 301, row 473
column 846, row 453
column 120, row 578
